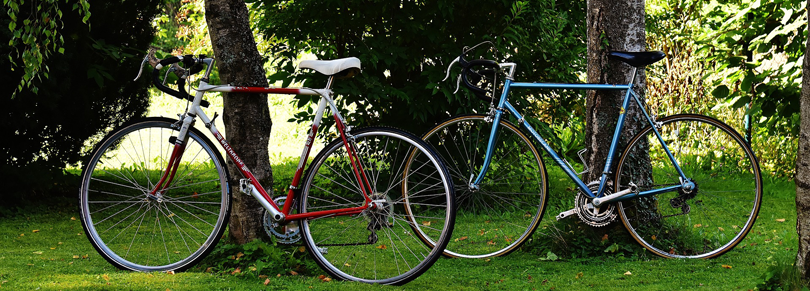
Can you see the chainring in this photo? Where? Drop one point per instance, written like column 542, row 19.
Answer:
column 592, row 215
column 288, row 233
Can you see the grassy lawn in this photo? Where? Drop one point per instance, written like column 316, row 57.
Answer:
column 45, row 248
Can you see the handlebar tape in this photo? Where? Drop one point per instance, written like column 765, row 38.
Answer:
column 468, row 65
column 180, row 83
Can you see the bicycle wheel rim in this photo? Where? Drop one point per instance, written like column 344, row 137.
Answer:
column 491, row 221
column 118, row 218
column 342, row 245
column 729, row 191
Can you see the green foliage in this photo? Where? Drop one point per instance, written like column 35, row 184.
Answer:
column 406, row 47
column 36, row 33
column 572, row 239
column 87, row 90
column 697, row 76
column 258, row 258
column 781, row 277
column 755, row 50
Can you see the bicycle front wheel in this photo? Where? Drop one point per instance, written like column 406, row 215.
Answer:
column 505, row 209
column 136, row 231
column 379, row 244
column 707, row 221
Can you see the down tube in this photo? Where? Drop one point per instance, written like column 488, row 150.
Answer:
column 568, row 171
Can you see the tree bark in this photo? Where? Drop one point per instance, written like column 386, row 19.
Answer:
column 246, row 116
column 803, row 170
column 612, row 26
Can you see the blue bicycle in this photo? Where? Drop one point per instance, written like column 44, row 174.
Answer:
column 685, row 186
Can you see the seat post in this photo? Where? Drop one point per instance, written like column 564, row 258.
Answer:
column 329, row 83
column 633, row 77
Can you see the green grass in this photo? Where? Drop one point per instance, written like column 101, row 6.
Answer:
column 45, row 248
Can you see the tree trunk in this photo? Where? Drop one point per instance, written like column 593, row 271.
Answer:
column 246, row 116
column 803, row 170
column 612, row 26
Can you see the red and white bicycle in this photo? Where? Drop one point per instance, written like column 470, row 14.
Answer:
column 376, row 205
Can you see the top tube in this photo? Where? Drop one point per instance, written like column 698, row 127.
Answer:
column 571, row 86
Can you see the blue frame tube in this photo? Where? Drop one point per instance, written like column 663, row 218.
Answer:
column 660, row 139
column 503, row 104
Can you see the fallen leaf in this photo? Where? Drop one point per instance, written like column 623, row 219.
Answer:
column 294, row 273
column 347, row 264
column 481, row 232
column 726, row 266
column 22, row 234
column 781, row 220
column 492, row 243
column 252, row 268
column 75, row 256
column 734, row 226
column 653, row 237
column 721, row 229
column 487, row 260
column 672, row 251
column 106, row 278
column 302, row 249
column 579, row 275
column 237, row 271
column 239, row 255
column 382, row 247
column 72, row 218
column 698, row 225
column 529, row 277
column 426, row 223
column 53, row 248
column 278, row 276
column 38, row 252
column 195, row 195
column 37, row 230
column 327, row 279
column 60, row 243
column 462, row 238
column 262, row 276
column 605, row 237
column 628, row 273
column 266, row 281
column 170, row 272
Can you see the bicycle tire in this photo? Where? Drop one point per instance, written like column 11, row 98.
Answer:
column 134, row 232
column 377, row 246
column 491, row 221
column 708, row 221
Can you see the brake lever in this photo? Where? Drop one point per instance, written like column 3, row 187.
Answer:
column 448, row 69
column 140, row 69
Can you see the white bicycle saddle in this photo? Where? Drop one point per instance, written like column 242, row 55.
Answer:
column 332, row 67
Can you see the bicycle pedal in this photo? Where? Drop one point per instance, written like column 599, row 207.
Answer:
column 566, row 214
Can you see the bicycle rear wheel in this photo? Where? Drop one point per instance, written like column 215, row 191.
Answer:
column 503, row 213
column 378, row 245
column 134, row 231
column 707, row 221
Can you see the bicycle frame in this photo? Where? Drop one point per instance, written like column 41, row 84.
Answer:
column 253, row 186
column 504, row 105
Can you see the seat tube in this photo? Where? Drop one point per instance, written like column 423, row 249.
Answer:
column 615, row 142
column 493, row 136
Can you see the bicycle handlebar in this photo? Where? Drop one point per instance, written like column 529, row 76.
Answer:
column 193, row 66
column 469, row 68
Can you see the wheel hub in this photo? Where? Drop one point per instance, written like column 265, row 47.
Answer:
column 381, row 212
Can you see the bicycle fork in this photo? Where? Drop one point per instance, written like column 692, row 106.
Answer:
column 179, row 142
